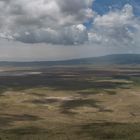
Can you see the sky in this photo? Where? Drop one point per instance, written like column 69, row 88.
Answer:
column 35, row 30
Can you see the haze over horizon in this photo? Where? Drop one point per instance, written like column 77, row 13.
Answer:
column 63, row 29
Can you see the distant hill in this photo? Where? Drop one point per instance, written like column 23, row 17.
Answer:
column 102, row 60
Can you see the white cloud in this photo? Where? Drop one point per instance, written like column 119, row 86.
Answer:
column 117, row 28
column 115, row 18
column 75, row 34
column 60, row 22
column 34, row 21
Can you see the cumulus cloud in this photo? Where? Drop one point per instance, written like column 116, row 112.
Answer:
column 116, row 18
column 73, row 35
column 116, row 28
column 49, row 21
column 61, row 22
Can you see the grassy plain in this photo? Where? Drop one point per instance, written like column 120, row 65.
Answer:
column 70, row 103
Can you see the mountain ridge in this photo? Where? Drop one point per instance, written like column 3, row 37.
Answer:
column 107, row 59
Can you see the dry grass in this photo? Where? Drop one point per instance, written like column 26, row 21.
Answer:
column 95, row 105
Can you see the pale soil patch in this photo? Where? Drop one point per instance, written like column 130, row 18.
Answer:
column 116, row 81
column 122, row 107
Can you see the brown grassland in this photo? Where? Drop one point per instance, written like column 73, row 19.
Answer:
column 70, row 103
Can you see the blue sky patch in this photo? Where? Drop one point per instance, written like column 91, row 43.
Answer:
column 104, row 6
